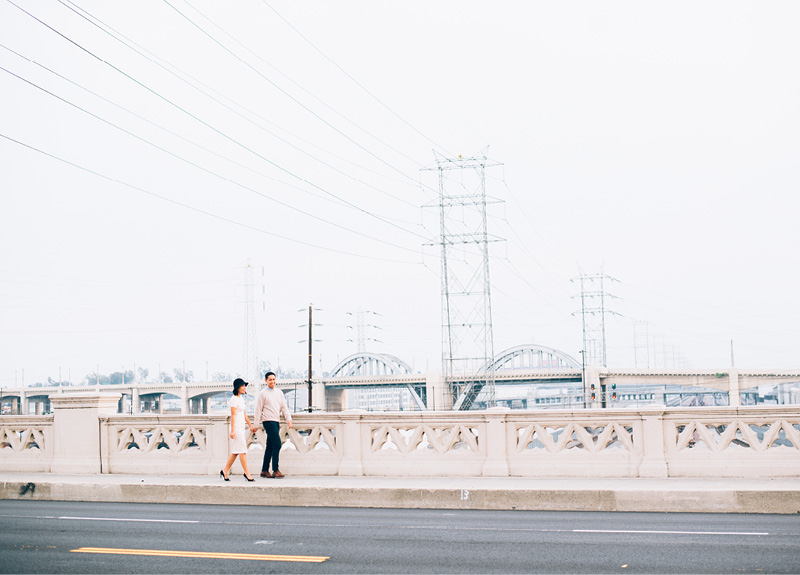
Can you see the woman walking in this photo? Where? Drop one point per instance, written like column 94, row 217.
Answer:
column 238, row 432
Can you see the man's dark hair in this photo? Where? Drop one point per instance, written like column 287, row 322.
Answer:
column 266, row 375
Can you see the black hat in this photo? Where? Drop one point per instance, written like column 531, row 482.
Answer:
column 237, row 383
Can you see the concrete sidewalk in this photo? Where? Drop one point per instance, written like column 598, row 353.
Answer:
column 569, row 494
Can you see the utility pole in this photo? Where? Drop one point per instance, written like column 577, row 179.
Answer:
column 467, row 338
column 310, row 381
column 310, row 340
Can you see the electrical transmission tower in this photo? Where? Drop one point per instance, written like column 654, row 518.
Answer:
column 467, row 341
column 253, row 294
column 360, row 327
column 593, row 315
column 641, row 344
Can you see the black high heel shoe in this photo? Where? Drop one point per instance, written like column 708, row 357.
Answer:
column 249, row 478
column 223, row 476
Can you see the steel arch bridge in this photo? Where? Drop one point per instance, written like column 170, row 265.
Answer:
column 367, row 364
column 533, row 356
column 370, row 364
column 529, row 357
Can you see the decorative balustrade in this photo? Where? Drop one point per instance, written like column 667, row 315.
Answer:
column 708, row 442
column 26, row 443
column 742, row 442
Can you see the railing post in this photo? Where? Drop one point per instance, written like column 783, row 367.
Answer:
column 734, row 395
column 437, row 399
column 352, row 442
column 77, row 431
column 496, row 464
column 654, row 460
column 319, row 397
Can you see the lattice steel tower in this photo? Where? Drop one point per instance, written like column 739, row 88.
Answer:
column 593, row 316
column 467, row 341
column 253, row 294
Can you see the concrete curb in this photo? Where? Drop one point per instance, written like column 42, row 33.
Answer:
column 684, row 497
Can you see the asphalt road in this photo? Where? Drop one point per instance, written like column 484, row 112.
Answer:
column 66, row 537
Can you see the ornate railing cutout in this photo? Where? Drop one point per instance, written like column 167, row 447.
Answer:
column 574, row 436
column 21, row 439
column 737, row 434
column 406, row 440
column 148, row 439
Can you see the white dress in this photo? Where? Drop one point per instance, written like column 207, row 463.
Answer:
column 239, row 441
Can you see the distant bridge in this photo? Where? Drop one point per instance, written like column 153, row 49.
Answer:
column 528, row 364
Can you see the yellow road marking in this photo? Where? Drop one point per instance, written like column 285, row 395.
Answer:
column 200, row 554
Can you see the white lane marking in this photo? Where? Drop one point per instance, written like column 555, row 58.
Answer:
column 421, row 527
column 123, row 519
column 665, row 532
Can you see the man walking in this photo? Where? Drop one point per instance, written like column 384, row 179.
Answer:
column 270, row 403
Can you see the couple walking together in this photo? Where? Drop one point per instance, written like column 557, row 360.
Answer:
column 270, row 403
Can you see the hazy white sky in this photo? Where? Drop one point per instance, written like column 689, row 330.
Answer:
column 151, row 149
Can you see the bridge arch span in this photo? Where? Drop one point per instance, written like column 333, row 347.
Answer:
column 370, row 364
column 532, row 356
column 367, row 364
column 529, row 357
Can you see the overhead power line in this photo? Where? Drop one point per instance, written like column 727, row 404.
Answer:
column 314, row 96
column 211, row 127
column 356, row 82
column 198, row 210
column 206, row 170
column 287, row 94
column 163, row 64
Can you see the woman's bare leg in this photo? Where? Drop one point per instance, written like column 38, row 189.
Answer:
column 229, row 464
column 243, row 461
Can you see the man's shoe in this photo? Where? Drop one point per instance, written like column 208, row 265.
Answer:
column 266, row 474
column 278, row 475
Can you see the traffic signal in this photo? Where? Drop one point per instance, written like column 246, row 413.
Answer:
column 613, row 391
column 593, row 394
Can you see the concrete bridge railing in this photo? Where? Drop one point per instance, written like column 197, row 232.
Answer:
column 85, row 435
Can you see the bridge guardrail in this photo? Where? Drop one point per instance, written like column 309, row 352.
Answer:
column 654, row 442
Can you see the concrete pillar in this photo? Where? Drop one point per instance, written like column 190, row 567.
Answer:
column 137, row 402
column 23, row 403
column 352, row 442
column 77, row 431
column 438, row 398
column 318, row 394
column 159, row 403
column 496, row 464
column 591, row 376
column 337, row 400
column 654, row 460
column 734, row 393
column 185, row 400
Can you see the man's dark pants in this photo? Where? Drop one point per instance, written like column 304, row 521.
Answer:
column 273, row 449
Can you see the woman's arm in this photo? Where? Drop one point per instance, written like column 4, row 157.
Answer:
column 233, row 420
column 252, row 427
